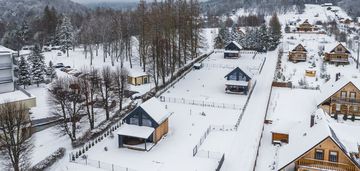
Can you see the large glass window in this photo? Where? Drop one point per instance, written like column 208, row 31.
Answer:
column 333, row 156
column 232, row 77
column 146, row 122
column 134, row 121
column 319, row 154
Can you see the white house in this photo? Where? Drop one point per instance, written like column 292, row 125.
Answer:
column 6, row 70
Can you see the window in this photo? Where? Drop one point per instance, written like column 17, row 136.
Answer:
column 333, row 156
column 355, row 108
column 337, row 107
column 343, row 95
column 352, row 96
column 233, row 77
column 146, row 122
column 134, row 121
column 339, row 49
column 319, row 154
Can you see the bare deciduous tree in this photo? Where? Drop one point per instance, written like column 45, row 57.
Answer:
column 15, row 145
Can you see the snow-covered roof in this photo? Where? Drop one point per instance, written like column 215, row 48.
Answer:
column 303, row 138
column 16, row 96
column 5, row 50
column 156, row 110
column 197, row 64
column 236, row 83
column 243, row 69
column 331, row 46
column 136, row 73
column 231, row 51
column 135, row 131
column 237, row 44
column 332, row 86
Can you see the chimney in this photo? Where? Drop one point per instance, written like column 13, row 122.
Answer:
column 312, row 121
column 337, row 76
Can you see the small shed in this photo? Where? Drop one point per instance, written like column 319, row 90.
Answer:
column 138, row 78
column 144, row 126
column 278, row 138
column 232, row 50
column 238, row 81
column 310, row 72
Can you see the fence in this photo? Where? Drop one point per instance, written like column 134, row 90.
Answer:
column 221, row 162
column 209, row 154
column 200, row 103
column 102, row 165
column 202, row 139
column 246, row 103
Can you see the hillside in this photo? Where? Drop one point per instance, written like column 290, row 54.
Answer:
column 19, row 9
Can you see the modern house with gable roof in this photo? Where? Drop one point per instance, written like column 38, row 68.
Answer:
column 298, row 54
column 338, row 55
column 144, row 126
column 232, row 50
column 238, row 81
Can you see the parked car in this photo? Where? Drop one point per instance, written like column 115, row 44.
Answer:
column 59, row 54
column 59, row 65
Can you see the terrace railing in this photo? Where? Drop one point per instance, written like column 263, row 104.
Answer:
column 324, row 165
column 345, row 100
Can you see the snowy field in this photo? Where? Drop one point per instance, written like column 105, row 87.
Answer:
column 288, row 108
column 208, row 83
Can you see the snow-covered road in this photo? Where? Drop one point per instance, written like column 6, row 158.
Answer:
column 245, row 143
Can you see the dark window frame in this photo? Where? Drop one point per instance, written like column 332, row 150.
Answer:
column 337, row 156
column 316, row 152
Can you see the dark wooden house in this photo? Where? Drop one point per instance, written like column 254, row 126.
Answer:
column 144, row 126
column 298, row 54
column 232, row 50
column 238, row 81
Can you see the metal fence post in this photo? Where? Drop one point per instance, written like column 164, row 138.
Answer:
column 99, row 164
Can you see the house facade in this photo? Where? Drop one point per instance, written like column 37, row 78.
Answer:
column 238, row 81
column 7, row 67
column 339, row 55
column 147, row 124
column 343, row 98
column 325, row 155
column 232, row 50
column 138, row 78
column 305, row 26
column 298, row 54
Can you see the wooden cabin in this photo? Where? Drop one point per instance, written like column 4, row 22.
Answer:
column 341, row 97
column 232, row 50
column 305, row 26
column 327, row 154
column 138, row 78
column 238, row 81
column 339, row 55
column 298, row 54
column 319, row 147
column 144, row 126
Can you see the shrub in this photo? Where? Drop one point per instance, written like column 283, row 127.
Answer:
column 50, row 160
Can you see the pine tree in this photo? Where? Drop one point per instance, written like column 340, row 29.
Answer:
column 65, row 35
column 37, row 65
column 218, row 42
column 24, row 73
column 224, row 34
column 50, row 71
column 264, row 38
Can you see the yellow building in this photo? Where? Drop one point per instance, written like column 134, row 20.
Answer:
column 339, row 55
column 138, row 78
column 298, row 54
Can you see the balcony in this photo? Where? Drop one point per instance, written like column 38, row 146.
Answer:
column 6, row 80
column 5, row 66
column 350, row 101
column 323, row 165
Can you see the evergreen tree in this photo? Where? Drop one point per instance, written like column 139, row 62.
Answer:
column 37, row 65
column 264, row 38
column 274, row 31
column 65, row 35
column 224, row 34
column 24, row 73
column 218, row 42
column 50, row 71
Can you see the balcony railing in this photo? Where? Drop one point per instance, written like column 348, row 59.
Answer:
column 345, row 100
column 6, row 79
column 324, row 165
column 339, row 60
column 5, row 66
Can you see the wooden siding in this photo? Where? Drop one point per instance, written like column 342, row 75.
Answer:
column 297, row 56
column 308, row 160
column 161, row 130
column 347, row 105
column 139, row 80
column 280, row 137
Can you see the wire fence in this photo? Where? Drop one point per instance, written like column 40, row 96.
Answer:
column 209, row 154
column 102, row 165
column 200, row 103
column 201, row 141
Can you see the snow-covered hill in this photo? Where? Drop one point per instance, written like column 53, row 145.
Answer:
column 18, row 9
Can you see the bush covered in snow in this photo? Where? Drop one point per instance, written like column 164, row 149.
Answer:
column 50, row 160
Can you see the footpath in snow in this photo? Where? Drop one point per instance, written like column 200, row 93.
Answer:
column 245, row 143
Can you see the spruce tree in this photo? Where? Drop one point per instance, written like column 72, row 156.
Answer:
column 37, row 65
column 274, row 31
column 65, row 35
column 24, row 73
column 50, row 71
